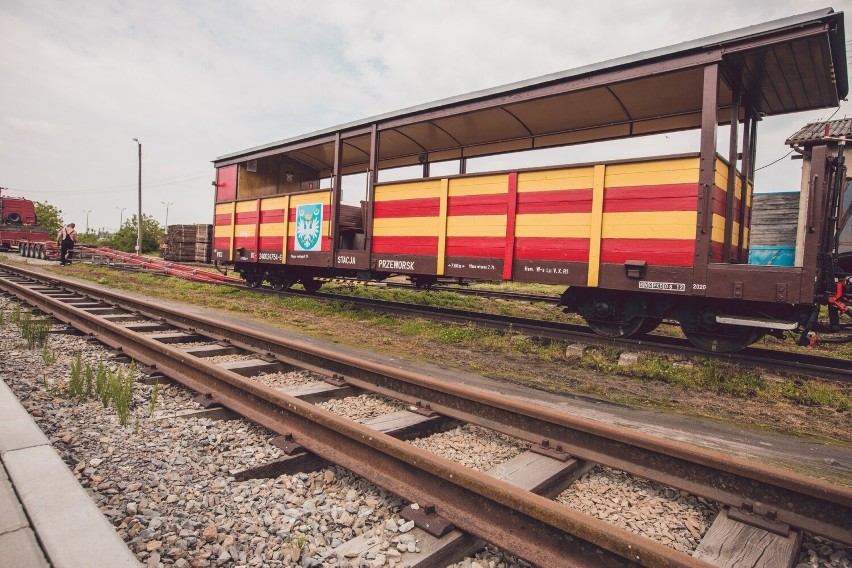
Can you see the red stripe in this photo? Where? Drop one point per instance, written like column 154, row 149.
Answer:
column 247, row 218
column 424, row 207
column 547, row 248
column 222, row 243
column 271, row 243
column 245, row 242
column 222, row 219
column 406, row 245
column 717, row 252
column 272, row 216
column 663, row 252
column 561, row 201
column 490, row 247
column 674, row 197
column 492, row 204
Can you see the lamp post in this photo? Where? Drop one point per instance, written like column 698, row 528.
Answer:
column 121, row 216
column 139, row 216
column 86, row 213
column 167, row 204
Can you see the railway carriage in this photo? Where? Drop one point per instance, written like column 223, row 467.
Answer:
column 634, row 241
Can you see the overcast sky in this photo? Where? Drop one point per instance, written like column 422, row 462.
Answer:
column 194, row 80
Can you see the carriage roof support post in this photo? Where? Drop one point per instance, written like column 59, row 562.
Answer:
column 747, row 174
column 731, row 193
column 336, row 190
column 706, row 176
column 372, row 180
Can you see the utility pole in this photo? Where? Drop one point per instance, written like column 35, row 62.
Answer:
column 167, row 204
column 121, row 216
column 139, row 215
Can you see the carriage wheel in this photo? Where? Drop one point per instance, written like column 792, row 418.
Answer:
column 311, row 285
column 704, row 332
column 618, row 329
column 279, row 284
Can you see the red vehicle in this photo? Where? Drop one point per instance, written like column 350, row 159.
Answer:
column 19, row 229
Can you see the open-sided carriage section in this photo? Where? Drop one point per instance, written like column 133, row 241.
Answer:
column 633, row 240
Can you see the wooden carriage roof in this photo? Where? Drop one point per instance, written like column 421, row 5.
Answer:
column 789, row 65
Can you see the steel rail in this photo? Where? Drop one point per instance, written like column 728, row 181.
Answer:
column 803, row 502
column 834, row 368
column 822, row 366
column 527, row 525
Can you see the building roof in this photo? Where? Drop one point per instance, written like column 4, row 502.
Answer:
column 818, row 131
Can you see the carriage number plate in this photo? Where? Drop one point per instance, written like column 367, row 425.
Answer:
column 672, row 286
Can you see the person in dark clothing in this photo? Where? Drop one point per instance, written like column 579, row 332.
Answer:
column 66, row 239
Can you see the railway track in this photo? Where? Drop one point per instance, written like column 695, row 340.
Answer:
column 828, row 367
column 495, row 510
column 782, row 361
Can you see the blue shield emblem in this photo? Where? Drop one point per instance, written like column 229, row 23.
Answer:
column 308, row 227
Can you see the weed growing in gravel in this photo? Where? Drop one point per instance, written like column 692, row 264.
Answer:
column 48, row 355
column 2, row 318
column 16, row 314
column 155, row 394
column 121, row 388
column 76, row 384
column 101, row 380
column 36, row 332
column 108, row 386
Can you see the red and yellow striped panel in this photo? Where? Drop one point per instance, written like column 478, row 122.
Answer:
column 245, row 227
column 648, row 210
column 553, row 220
column 405, row 218
column 223, row 230
column 274, row 212
column 476, row 217
column 720, row 200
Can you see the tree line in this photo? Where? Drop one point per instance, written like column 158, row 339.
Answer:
column 50, row 217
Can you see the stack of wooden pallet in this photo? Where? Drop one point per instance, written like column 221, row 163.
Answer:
column 188, row 243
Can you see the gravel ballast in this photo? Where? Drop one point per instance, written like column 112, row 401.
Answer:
column 167, row 484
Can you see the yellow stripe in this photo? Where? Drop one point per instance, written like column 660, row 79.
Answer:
column 224, row 209
column 479, row 185
column 413, row 190
column 323, row 197
column 291, row 229
column 717, row 232
column 477, row 226
column 286, row 230
column 657, row 225
column 550, row 180
column 222, row 231
column 721, row 175
column 272, row 203
column 596, row 225
column 272, row 229
column 406, row 227
column 662, row 172
column 558, row 225
column 244, row 231
column 246, row 206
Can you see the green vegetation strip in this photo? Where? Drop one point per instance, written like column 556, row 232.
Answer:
column 653, row 380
